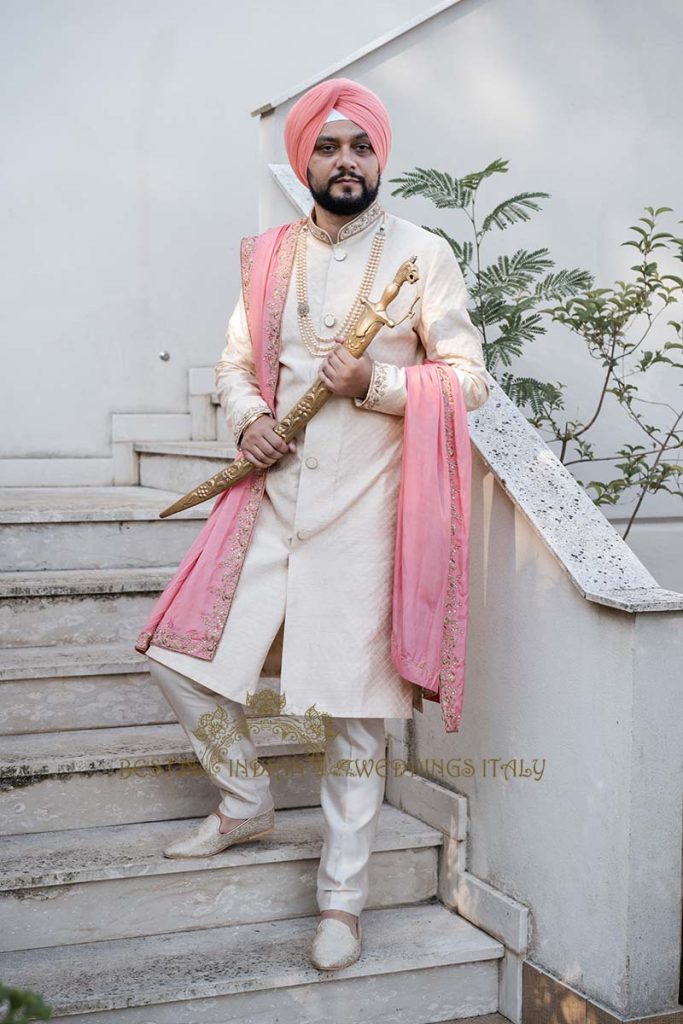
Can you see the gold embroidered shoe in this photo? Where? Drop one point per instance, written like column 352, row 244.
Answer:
column 334, row 945
column 207, row 839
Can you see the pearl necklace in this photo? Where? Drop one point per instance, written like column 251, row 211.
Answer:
column 319, row 345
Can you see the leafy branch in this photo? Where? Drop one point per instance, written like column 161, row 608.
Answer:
column 514, row 298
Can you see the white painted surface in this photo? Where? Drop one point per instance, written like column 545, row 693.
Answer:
column 128, row 180
column 596, row 693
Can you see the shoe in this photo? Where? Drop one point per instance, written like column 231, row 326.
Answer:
column 207, row 839
column 334, row 945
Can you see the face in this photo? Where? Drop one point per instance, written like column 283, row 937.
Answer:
column 343, row 172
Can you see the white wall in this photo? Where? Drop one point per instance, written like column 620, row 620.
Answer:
column 593, row 846
column 128, row 177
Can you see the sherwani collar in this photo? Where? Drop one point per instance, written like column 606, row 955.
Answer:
column 352, row 227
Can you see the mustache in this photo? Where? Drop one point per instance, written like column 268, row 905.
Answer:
column 353, row 177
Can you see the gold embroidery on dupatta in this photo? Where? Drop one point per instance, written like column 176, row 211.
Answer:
column 275, row 302
column 451, row 682
column 247, row 247
column 231, row 567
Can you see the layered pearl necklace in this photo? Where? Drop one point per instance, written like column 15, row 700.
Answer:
column 319, row 345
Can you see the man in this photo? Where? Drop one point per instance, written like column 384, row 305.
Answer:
column 312, row 533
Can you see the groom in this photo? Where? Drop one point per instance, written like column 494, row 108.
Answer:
column 310, row 537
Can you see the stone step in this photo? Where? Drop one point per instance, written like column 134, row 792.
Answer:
column 62, row 662
column 85, row 778
column 114, row 882
column 55, row 528
column 46, row 689
column 180, row 466
column 77, row 606
column 419, row 964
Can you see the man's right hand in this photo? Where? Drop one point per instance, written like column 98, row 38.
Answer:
column 261, row 445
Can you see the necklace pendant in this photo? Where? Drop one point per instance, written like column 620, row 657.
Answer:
column 303, row 309
column 339, row 255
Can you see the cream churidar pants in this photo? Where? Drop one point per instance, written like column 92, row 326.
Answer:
column 350, row 800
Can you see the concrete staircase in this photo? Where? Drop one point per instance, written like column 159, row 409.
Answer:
column 97, row 777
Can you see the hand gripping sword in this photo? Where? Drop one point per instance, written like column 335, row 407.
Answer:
column 372, row 319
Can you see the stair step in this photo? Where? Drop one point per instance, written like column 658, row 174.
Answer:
column 88, row 750
column 48, row 689
column 181, row 466
column 90, row 777
column 22, row 505
column 114, row 881
column 53, row 528
column 188, row 449
column 59, row 662
column 78, row 606
column 79, row 582
column 419, row 964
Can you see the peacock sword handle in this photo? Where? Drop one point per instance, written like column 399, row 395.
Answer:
column 372, row 319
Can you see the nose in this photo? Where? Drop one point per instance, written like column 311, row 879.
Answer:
column 346, row 160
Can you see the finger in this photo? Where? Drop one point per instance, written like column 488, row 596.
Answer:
column 254, row 461
column 278, row 442
column 265, row 448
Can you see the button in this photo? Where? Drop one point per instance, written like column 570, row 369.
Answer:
column 339, row 255
column 302, row 534
column 330, row 320
column 311, row 462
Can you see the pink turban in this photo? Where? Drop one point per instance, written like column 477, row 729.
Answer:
column 310, row 112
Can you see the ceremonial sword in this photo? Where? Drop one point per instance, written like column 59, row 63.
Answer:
column 372, row 319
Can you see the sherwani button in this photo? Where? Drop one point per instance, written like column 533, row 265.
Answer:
column 311, row 462
column 302, row 534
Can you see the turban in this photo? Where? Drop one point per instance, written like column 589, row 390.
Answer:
column 311, row 111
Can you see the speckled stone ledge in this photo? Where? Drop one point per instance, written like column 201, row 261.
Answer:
column 598, row 561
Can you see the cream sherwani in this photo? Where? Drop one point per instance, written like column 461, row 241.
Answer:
column 322, row 551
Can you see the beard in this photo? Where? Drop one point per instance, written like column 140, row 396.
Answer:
column 345, row 204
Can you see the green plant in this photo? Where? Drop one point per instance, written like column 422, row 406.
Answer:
column 515, row 298
column 505, row 295
column 18, row 1006
column 615, row 324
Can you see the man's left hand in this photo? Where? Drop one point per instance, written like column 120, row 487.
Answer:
column 343, row 374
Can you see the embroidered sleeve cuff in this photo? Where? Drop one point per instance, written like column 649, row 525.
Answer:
column 386, row 391
column 246, row 418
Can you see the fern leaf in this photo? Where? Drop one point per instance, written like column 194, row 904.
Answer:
column 513, row 210
column 439, row 187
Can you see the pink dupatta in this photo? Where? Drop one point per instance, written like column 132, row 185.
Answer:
column 431, row 570
column 431, row 566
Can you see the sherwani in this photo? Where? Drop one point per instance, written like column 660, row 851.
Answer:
column 322, row 552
